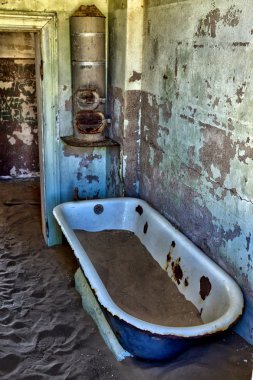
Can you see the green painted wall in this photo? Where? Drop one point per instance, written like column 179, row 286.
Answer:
column 196, row 137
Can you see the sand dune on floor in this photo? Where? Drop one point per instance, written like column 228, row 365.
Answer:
column 45, row 333
column 43, row 329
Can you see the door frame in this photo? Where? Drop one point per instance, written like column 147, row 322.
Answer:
column 44, row 24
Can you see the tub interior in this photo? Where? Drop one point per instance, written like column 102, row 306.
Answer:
column 135, row 281
column 198, row 278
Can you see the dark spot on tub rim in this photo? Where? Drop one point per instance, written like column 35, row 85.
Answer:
column 178, row 273
column 205, row 287
column 139, row 209
column 186, row 282
column 173, row 244
column 145, row 228
column 98, row 209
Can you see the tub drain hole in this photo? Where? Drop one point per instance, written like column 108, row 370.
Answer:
column 98, row 209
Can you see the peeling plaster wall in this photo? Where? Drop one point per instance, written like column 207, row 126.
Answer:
column 189, row 146
column 124, row 83
column 94, row 172
column 19, row 152
column 196, row 155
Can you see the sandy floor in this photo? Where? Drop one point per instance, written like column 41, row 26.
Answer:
column 44, row 332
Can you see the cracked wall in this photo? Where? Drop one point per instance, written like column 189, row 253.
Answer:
column 19, row 152
column 190, row 144
column 196, row 155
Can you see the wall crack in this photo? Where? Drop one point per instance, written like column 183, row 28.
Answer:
column 233, row 191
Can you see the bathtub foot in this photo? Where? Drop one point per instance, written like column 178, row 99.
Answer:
column 92, row 307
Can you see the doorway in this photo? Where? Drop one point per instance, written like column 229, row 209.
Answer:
column 43, row 27
column 19, row 152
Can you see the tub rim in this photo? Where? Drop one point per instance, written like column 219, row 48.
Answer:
column 229, row 318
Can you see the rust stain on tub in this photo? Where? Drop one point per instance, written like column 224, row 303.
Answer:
column 205, row 287
column 168, row 261
column 145, row 228
column 177, row 271
column 168, row 258
column 169, row 255
column 139, row 209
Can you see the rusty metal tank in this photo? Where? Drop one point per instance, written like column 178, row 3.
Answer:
column 87, row 28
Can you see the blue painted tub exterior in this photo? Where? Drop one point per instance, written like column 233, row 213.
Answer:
column 144, row 344
column 214, row 293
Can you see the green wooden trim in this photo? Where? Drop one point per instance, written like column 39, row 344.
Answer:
column 45, row 23
column 28, row 21
column 50, row 147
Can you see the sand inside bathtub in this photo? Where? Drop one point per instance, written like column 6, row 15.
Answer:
column 135, row 281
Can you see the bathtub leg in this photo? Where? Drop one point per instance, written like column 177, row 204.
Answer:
column 92, row 307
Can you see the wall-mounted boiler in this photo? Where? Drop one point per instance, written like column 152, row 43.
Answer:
column 87, row 28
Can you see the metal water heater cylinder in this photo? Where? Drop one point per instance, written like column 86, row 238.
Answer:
column 87, row 28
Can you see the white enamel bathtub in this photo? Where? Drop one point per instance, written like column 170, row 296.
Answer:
column 214, row 293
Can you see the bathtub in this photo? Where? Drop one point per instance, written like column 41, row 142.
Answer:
column 214, row 293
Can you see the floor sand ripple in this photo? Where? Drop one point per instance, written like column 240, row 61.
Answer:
column 44, row 332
